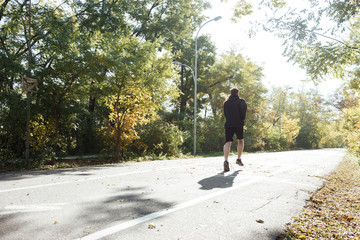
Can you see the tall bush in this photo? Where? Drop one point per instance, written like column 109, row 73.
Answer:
column 211, row 134
column 160, row 138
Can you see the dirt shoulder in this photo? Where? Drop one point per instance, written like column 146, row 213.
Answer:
column 333, row 212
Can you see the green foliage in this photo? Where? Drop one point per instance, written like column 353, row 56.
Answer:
column 184, row 104
column 160, row 137
column 352, row 127
column 242, row 8
column 309, row 114
column 278, row 139
column 82, row 53
column 211, row 136
column 274, row 140
column 289, row 130
column 309, row 136
column 354, row 139
column 105, row 75
column 322, row 37
column 127, row 109
column 232, row 70
column 333, row 136
column 40, row 140
column 12, row 125
column 134, row 90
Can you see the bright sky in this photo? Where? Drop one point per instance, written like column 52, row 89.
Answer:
column 264, row 49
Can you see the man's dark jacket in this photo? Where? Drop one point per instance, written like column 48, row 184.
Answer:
column 235, row 112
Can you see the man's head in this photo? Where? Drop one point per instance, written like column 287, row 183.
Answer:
column 234, row 92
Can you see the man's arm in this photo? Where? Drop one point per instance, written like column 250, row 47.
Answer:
column 225, row 110
column 243, row 108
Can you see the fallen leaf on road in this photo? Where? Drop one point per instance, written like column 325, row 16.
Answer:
column 28, row 194
column 216, row 202
column 260, row 221
column 56, row 222
column 151, row 226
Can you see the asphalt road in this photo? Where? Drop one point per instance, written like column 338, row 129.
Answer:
column 169, row 199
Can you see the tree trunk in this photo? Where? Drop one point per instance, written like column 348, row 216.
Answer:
column 89, row 133
column 213, row 108
column 57, row 120
column 117, row 142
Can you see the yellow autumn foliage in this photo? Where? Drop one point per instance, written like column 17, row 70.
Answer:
column 128, row 108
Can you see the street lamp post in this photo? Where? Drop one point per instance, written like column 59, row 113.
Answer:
column 280, row 105
column 195, row 77
column 192, row 72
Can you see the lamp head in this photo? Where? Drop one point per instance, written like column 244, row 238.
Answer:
column 217, row 18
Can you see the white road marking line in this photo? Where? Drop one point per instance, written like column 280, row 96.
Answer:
column 35, row 206
column 94, row 178
column 122, row 226
column 278, row 180
column 117, row 228
column 31, row 208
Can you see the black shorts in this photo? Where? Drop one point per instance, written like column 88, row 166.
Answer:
column 229, row 133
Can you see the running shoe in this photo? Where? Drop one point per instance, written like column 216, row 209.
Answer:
column 238, row 162
column 226, row 166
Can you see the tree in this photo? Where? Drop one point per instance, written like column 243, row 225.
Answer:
column 280, row 136
column 309, row 113
column 161, row 138
column 136, row 91
column 324, row 40
column 321, row 36
column 72, row 61
column 186, row 55
column 233, row 70
column 128, row 108
column 174, row 20
column 351, row 120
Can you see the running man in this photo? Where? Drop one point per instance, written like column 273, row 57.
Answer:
column 235, row 113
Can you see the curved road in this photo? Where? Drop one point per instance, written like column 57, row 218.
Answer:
column 169, row 199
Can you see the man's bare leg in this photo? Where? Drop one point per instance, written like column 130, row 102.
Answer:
column 240, row 147
column 227, row 147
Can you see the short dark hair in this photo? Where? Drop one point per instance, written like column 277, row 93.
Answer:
column 234, row 92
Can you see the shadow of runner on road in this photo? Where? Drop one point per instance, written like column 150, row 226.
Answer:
column 219, row 180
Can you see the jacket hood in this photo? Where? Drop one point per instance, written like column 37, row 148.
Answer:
column 233, row 98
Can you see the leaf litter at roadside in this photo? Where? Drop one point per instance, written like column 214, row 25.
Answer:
column 333, row 212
